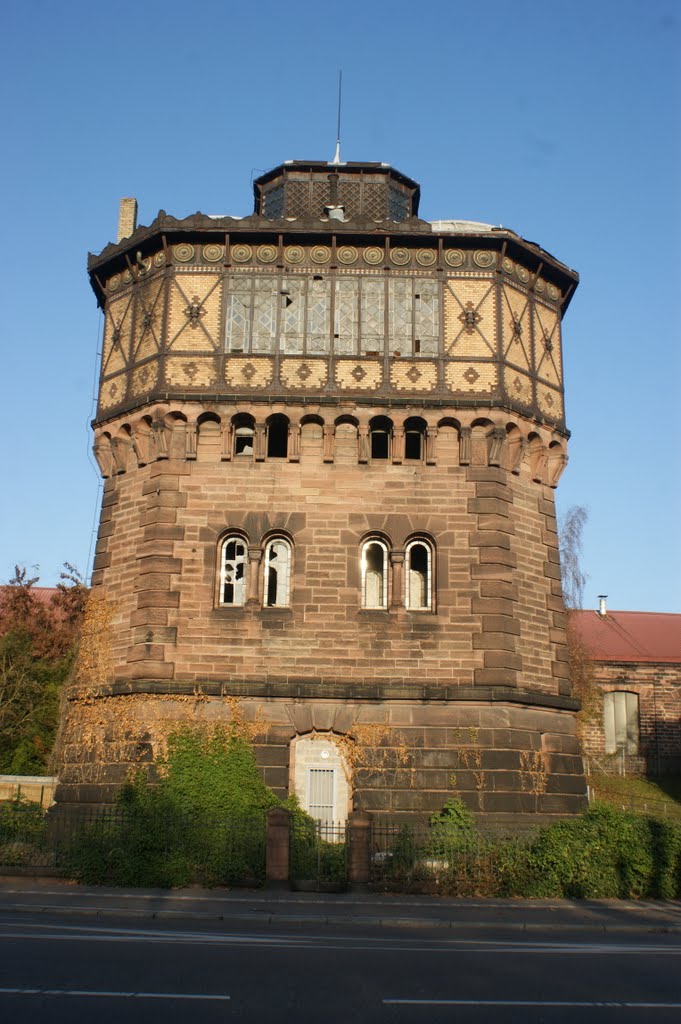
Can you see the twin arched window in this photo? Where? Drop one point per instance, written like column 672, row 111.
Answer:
column 376, row 575
column 234, row 572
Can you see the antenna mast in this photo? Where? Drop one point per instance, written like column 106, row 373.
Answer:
column 337, row 154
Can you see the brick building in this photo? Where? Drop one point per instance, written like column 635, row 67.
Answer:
column 330, row 434
column 637, row 667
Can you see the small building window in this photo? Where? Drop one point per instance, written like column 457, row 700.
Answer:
column 380, row 433
column 418, row 576
column 277, row 437
column 277, row 573
column 244, row 434
column 233, row 561
column 374, row 565
column 621, row 722
column 415, row 438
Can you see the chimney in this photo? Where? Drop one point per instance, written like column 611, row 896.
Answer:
column 127, row 218
column 602, row 607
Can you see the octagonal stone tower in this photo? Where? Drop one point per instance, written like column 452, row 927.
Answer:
column 330, row 434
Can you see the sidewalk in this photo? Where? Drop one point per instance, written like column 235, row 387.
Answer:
column 52, row 896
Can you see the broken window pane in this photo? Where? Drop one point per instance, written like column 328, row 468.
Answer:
column 233, row 571
column 277, row 573
column 374, row 575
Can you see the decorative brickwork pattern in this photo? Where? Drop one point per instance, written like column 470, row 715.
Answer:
column 471, row 378
column 364, row 375
column 194, row 313
column 516, row 328
column 518, row 386
column 246, row 372
column 191, row 372
column 143, row 379
column 410, row 375
column 469, row 317
column 309, row 374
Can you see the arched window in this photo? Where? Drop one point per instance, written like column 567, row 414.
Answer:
column 277, row 437
column 621, row 722
column 244, row 434
column 380, row 433
column 277, row 573
column 415, row 438
column 233, row 564
column 418, row 576
column 374, row 565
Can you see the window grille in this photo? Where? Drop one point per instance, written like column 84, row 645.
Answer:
column 273, row 202
column 418, row 576
column 233, row 571
column 277, row 573
column 374, row 567
column 320, row 802
column 621, row 722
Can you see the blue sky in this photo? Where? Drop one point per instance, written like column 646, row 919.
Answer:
column 559, row 121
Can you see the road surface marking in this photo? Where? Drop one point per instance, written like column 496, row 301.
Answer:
column 531, row 1002
column 109, row 995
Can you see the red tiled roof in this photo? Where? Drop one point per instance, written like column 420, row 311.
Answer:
column 630, row 636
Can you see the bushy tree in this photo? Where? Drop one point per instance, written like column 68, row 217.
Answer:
column 38, row 642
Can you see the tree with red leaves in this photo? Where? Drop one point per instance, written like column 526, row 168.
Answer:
column 38, row 641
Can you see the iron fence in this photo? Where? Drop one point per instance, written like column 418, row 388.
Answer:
column 132, row 846
column 455, row 862
column 318, row 853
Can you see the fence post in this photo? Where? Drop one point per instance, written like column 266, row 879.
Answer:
column 277, row 848
column 359, row 850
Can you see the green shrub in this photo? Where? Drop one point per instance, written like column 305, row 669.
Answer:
column 204, row 820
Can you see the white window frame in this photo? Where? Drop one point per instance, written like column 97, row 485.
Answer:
column 383, row 602
column 239, row 584
column 283, row 595
column 428, row 606
column 621, row 722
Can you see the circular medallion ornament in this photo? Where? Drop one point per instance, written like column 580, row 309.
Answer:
column 539, row 285
column 114, row 283
column 320, row 254
column 373, row 255
column 484, row 258
column 522, row 273
column 553, row 292
column 400, row 257
column 241, row 253
column 426, row 257
column 184, row 252
column 347, row 254
column 508, row 265
column 455, row 257
column 266, row 253
column 126, row 277
column 294, row 254
column 145, row 265
column 159, row 259
column 213, row 253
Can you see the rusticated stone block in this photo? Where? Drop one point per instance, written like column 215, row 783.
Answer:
column 495, row 677
column 146, row 652
column 488, row 506
column 497, row 556
column 159, row 564
column 154, row 634
column 500, row 624
column 498, row 588
column 158, row 599
column 102, row 561
column 493, row 642
column 149, row 617
column 162, row 482
column 503, row 659
column 478, row 474
column 490, row 538
column 151, row 669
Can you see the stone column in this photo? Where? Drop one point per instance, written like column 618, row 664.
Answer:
column 363, row 443
column 359, row 850
column 329, row 434
column 294, row 443
column 398, row 444
column 252, row 589
column 431, row 437
column 277, row 848
column 397, row 595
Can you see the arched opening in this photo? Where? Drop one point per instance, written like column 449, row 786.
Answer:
column 415, row 438
column 277, row 437
column 277, row 573
column 320, row 779
column 374, row 567
column 418, row 576
column 380, row 436
column 243, row 427
column 233, row 564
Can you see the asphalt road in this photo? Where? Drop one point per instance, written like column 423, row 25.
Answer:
column 57, row 966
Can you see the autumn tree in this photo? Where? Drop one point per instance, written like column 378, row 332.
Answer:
column 38, row 640
column 571, row 530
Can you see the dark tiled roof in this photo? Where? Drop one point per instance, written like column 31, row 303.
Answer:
column 630, row 636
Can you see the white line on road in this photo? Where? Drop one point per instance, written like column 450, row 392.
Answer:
column 531, row 1002
column 109, row 995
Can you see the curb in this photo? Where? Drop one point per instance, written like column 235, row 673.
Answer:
column 270, row 918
